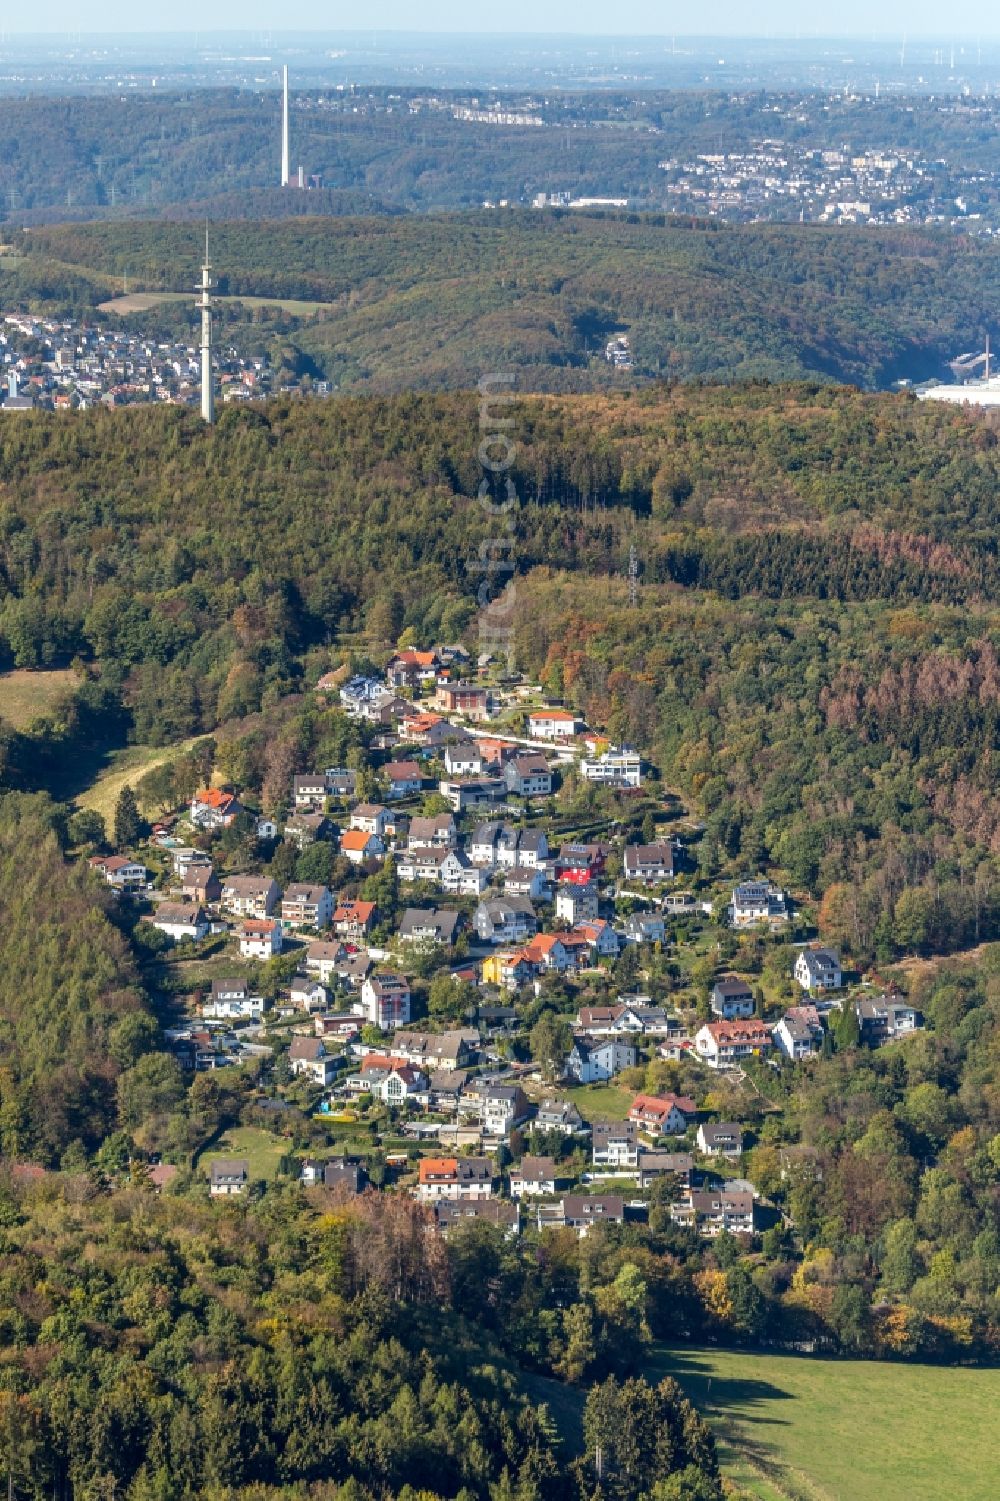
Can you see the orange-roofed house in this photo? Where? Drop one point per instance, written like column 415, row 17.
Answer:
column 553, row 724
column 411, row 668
column 354, row 920
column 549, row 951
column 662, row 1115
column 213, row 808
column 359, row 846
column 260, row 938
column 464, row 1179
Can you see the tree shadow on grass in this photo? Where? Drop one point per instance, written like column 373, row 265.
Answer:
column 732, row 1396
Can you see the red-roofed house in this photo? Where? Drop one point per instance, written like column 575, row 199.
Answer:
column 665, row 1115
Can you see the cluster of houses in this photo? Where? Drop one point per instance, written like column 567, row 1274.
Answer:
column 544, row 1191
column 499, row 903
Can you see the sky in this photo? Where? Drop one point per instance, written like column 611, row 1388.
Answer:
column 596, row 17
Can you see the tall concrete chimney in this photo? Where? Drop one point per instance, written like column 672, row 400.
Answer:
column 284, row 130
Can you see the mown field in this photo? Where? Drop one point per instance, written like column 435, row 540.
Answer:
column 845, row 1430
column 124, row 768
column 25, row 696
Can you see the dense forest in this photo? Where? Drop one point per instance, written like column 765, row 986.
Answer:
column 432, row 301
column 217, row 151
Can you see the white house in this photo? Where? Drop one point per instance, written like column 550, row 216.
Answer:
column 119, row 872
column 799, row 1033
column 649, row 864
column 260, row 938
column 617, row 767
column 385, row 1001
column 553, row 724
column 371, row 818
column 758, row 901
column 250, row 896
column 576, row 901
column 818, row 969
column 615, row 1144
column 180, row 921
column 308, row 1056
column 732, row 999
column 305, row 906
column 358, row 846
column 594, row 1059
column 231, row 1000
column 727, row 1044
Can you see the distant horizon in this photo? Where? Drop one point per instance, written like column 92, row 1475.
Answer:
column 893, row 34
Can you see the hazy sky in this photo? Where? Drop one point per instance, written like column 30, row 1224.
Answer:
column 663, row 17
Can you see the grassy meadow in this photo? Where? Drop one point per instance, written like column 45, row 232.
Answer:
column 844, row 1430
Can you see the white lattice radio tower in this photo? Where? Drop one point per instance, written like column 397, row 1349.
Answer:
column 633, row 576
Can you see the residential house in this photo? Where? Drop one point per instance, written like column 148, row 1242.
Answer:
column 576, row 901
column 526, row 881
column 553, row 724
column 535, row 1177
column 508, row 969
column 308, row 1056
column 259, row 938
column 250, row 896
column 228, row 1177
column 119, row 872
column 599, row 936
column 438, row 1051
column 886, row 1018
column 528, row 775
column 341, row 781
column 461, row 796
column 732, row 999
column 412, row 669
column 506, row 919
column 757, row 901
column 581, row 862
column 653, row 1165
column 719, row 1139
column 403, row 778
column 646, row 927
column 359, row 847
column 451, row 870
column 483, row 844
column 593, row 1060
column 428, row 925
column 662, row 1115
column 618, row 766
column 309, row 790
column 305, row 906
column 581, row 1212
column 499, row 1107
column 354, row 920
column 322, row 959
column 726, row 1044
column 214, row 808
column 436, row 833
column 232, row 1000
column 306, row 994
column 303, row 829
column 649, row 864
column 500, row 1213
column 372, row 818
column 393, row 1080
column 818, row 969
column 180, row 921
column 615, row 1144
column 799, row 1034
column 339, row 1026
column 266, row 829
column 715, row 1211
column 459, row 1179
column 549, row 951
column 464, row 760
column 345, row 1177
column 559, row 1115
column 201, row 885
column 469, row 699
column 385, row 1001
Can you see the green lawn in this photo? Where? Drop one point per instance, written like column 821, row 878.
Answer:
column 262, row 1149
column 601, row 1102
column 25, row 695
column 831, row 1430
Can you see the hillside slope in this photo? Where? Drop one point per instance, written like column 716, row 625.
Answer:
column 436, row 300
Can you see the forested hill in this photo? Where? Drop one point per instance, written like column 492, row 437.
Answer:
column 814, row 659
column 433, row 301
